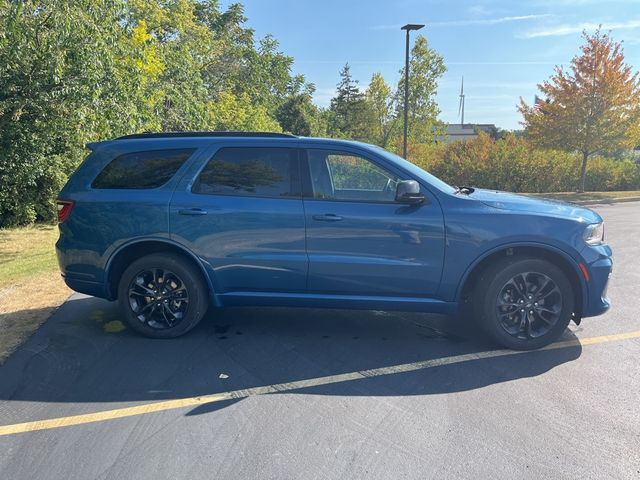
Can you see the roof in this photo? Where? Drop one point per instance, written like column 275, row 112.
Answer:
column 204, row 134
column 456, row 129
column 199, row 139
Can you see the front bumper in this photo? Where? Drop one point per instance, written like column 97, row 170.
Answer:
column 599, row 266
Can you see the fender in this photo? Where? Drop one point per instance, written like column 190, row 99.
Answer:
column 544, row 246
column 166, row 241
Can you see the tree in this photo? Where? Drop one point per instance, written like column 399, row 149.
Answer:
column 381, row 102
column 593, row 108
column 299, row 116
column 77, row 71
column 426, row 66
column 59, row 79
column 350, row 115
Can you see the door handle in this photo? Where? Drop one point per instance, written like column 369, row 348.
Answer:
column 328, row 217
column 192, row 211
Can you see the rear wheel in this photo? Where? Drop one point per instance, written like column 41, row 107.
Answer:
column 524, row 303
column 162, row 295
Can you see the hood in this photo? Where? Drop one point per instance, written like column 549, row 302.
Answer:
column 546, row 206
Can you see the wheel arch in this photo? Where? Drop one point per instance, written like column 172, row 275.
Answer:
column 130, row 251
column 561, row 259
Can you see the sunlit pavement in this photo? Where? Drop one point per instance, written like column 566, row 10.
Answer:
column 288, row 393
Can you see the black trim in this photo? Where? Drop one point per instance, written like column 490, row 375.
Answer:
column 305, row 174
column 205, row 134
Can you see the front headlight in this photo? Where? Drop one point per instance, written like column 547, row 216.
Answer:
column 594, row 233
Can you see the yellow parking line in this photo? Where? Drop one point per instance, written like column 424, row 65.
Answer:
column 285, row 387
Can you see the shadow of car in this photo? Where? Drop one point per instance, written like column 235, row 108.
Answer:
column 82, row 355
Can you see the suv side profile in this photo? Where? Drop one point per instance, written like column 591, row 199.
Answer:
column 169, row 224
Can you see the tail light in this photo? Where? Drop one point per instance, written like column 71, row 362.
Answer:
column 64, row 209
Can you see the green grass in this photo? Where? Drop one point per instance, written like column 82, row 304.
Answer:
column 26, row 252
column 589, row 196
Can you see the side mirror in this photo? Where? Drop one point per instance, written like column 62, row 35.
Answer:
column 408, row 191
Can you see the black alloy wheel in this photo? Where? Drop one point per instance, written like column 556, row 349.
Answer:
column 158, row 298
column 523, row 303
column 529, row 305
column 163, row 295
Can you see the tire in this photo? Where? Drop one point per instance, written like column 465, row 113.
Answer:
column 524, row 303
column 179, row 304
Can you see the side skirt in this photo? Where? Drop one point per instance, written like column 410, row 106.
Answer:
column 317, row 300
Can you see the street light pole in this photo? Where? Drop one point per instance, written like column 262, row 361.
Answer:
column 408, row 27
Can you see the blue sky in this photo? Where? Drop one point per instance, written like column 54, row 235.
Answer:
column 503, row 48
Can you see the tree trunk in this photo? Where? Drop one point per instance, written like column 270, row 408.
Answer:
column 583, row 171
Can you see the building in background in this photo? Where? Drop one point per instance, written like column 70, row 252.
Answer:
column 466, row 131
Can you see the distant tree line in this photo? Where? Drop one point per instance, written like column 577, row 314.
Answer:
column 76, row 71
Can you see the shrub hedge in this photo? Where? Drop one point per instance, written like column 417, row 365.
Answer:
column 511, row 164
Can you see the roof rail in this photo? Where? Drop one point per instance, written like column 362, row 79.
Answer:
column 205, row 134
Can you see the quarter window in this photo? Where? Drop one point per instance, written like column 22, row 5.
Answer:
column 150, row 169
column 346, row 176
column 260, row 172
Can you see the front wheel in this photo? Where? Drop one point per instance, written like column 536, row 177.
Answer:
column 524, row 303
column 162, row 295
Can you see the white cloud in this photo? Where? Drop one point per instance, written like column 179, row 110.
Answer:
column 476, row 21
column 492, row 86
column 568, row 29
column 478, row 10
column 489, row 21
column 503, row 63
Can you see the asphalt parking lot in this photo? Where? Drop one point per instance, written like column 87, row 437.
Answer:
column 297, row 393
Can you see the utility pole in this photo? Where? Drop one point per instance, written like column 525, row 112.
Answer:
column 408, row 27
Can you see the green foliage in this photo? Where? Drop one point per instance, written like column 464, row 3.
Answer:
column 299, row 116
column 513, row 164
column 376, row 114
column 381, row 100
column 75, row 71
column 426, row 66
column 350, row 115
column 58, row 71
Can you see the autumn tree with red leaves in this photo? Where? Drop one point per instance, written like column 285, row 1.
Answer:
column 592, row 109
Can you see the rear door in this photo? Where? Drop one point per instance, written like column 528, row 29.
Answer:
column 242, row 214
column 359, row 240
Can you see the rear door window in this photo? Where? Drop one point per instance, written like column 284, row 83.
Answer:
column 251, row 171
column 139, row 170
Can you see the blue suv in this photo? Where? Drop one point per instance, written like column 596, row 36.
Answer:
column 168, row 224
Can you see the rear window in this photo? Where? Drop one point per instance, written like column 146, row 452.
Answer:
column 150, row 169
column 253, row 171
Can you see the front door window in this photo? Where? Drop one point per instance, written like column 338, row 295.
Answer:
column 349, row 177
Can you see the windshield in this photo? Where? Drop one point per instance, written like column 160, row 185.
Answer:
column 417, row 171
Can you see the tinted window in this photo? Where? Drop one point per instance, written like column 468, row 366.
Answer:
column 345, row 176
column 262, row 172
column 149, row 169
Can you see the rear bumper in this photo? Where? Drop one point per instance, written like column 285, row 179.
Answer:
column 95, row 289
column 80, row 269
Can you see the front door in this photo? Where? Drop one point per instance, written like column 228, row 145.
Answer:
column 243, row 216
column 359, row 240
